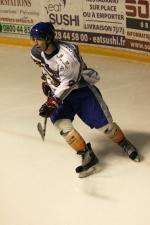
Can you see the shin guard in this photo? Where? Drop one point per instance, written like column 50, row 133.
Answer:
column 75, row 140
column 114, row 133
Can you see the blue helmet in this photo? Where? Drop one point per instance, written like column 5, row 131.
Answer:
column 43, row 30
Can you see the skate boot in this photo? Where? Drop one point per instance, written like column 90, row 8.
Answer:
column 130, row 150
column 89, row 162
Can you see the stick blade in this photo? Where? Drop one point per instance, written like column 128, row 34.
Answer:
column 41, row 131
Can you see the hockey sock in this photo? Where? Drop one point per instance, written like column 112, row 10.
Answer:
column 114, row 132
column 70, row 134
column 75, row 140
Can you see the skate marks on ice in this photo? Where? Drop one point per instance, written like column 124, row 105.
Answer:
column 95, row 186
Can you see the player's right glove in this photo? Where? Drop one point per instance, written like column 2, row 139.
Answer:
column 46, row 89
column 49, row 107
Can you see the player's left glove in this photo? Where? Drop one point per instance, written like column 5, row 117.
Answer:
column 49, row 107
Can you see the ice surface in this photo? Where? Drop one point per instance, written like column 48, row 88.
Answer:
column 38, row 185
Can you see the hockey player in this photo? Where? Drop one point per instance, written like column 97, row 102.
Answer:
column 70, row 84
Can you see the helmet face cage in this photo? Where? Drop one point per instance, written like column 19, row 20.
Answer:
column 42, row 31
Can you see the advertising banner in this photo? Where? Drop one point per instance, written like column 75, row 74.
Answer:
column 138, row 24
column 18, row 16
column 119, row 24
column 96, row 22
column 116, row 23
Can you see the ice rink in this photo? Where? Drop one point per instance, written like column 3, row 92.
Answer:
column 38, row 184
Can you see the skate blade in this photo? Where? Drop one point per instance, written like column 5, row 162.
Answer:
column 90, row 171
column 137, row 159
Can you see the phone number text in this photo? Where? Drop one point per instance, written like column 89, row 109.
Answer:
column 15, row 29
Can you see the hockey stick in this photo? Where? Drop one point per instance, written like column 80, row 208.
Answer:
column 42, row 129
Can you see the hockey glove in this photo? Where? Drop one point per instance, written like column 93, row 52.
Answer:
column 46, row 89
column 49, row 107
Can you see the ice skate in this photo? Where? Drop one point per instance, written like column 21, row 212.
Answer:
column 89, row 163
column 130, row 150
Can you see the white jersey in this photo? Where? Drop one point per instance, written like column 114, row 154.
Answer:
column 64, row 70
